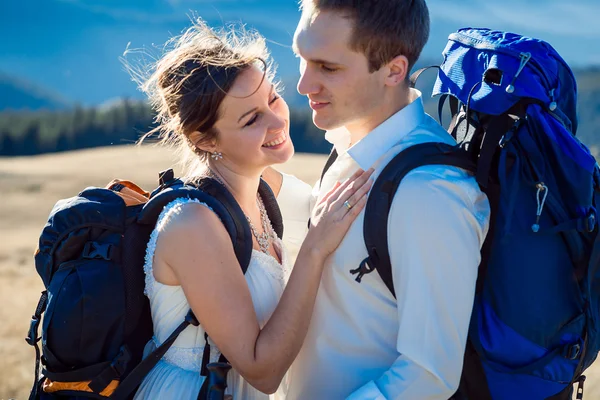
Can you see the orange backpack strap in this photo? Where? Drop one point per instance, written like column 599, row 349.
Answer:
column 53, row 387
column 131, row 193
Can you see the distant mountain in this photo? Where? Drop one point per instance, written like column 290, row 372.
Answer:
column 73, row 46
column 20, row 94
column 121, row 121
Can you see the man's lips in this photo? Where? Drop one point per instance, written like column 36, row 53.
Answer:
column 316, row 105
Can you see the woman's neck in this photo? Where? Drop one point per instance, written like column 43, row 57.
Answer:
column 243, row 187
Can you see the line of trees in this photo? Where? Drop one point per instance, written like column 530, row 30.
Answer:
column 124, row 122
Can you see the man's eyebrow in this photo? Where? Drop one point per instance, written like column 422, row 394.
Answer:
column 312, row 60
column 255, row 108
column 321, row 61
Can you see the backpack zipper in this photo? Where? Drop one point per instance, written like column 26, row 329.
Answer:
column 525, row 57
column 573, row 240
column 542, row 190
column 555, row 209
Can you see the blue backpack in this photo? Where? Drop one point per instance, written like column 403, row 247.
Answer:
column 96, row 318
column 535, row 322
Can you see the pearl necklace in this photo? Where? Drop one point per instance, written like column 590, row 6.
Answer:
column 265, row 238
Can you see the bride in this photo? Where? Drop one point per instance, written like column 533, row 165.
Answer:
column 216, row 99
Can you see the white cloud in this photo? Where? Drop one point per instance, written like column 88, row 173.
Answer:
column 554, row 17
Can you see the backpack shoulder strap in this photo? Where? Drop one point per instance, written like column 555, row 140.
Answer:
column 222, row 202
column 382, row 194
column 330, row 160
column 232, row 216
column 272, row 207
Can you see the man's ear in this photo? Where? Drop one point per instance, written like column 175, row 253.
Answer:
column 204, row 145
column 397, row 71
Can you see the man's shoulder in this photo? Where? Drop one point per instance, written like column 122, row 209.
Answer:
column 442, row 181
column 431, row 131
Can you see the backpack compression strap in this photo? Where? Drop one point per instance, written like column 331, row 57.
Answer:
column 381, row 197
column 143, row 368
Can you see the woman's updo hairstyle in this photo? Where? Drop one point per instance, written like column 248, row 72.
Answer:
column 187, row 85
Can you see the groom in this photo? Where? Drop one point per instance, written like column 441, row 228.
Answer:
column 355, row 58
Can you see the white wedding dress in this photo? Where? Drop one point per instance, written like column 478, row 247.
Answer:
column 177, row 374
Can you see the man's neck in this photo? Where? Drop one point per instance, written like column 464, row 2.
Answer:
column 388, row 108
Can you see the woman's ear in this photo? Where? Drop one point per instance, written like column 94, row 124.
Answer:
column 397, row 71
column 197, row 140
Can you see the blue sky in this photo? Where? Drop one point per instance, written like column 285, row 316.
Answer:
column 72, row 47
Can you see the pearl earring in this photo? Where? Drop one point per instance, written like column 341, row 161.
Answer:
column 217, row 156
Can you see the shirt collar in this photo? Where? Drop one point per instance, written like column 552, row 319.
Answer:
column 377, row 142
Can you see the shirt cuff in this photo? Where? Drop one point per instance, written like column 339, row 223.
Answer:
column 370, row 391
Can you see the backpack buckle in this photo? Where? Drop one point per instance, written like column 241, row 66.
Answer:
column 572, row 351
column 191, row 318
column 363, row 268
column 93, row 250
column 32, row 335
column 119, row 364
column 590, row 222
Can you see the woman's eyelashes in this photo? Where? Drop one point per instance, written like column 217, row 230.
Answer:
column 252, row 120
column 255, row 117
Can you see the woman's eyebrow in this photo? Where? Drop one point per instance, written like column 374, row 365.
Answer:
column 255, row 108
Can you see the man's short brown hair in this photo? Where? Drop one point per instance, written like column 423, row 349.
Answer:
column 383, row 29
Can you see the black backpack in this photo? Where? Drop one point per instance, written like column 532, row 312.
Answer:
column 91, row 255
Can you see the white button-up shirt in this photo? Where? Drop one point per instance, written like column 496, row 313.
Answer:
column 362, row 342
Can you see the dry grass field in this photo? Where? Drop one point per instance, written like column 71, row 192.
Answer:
column 29, row 187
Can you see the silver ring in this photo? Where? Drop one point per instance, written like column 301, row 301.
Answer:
column 348, row 205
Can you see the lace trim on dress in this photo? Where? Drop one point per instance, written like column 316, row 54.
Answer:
column 170, row 210
column 280, row 272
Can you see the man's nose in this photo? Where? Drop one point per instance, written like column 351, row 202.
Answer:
column 307, row 84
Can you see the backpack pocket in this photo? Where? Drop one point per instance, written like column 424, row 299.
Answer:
column 84, row 321
column 515, row 364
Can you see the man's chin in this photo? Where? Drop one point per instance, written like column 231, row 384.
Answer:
column 325, row 124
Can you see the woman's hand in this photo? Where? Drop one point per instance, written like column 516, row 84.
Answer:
column 336, row 211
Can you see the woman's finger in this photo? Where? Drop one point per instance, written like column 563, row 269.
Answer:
column 354, row 204
column 357, row 208
column 359, row 194
column 340, row 186
column 337, row 203
column 330, row 193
